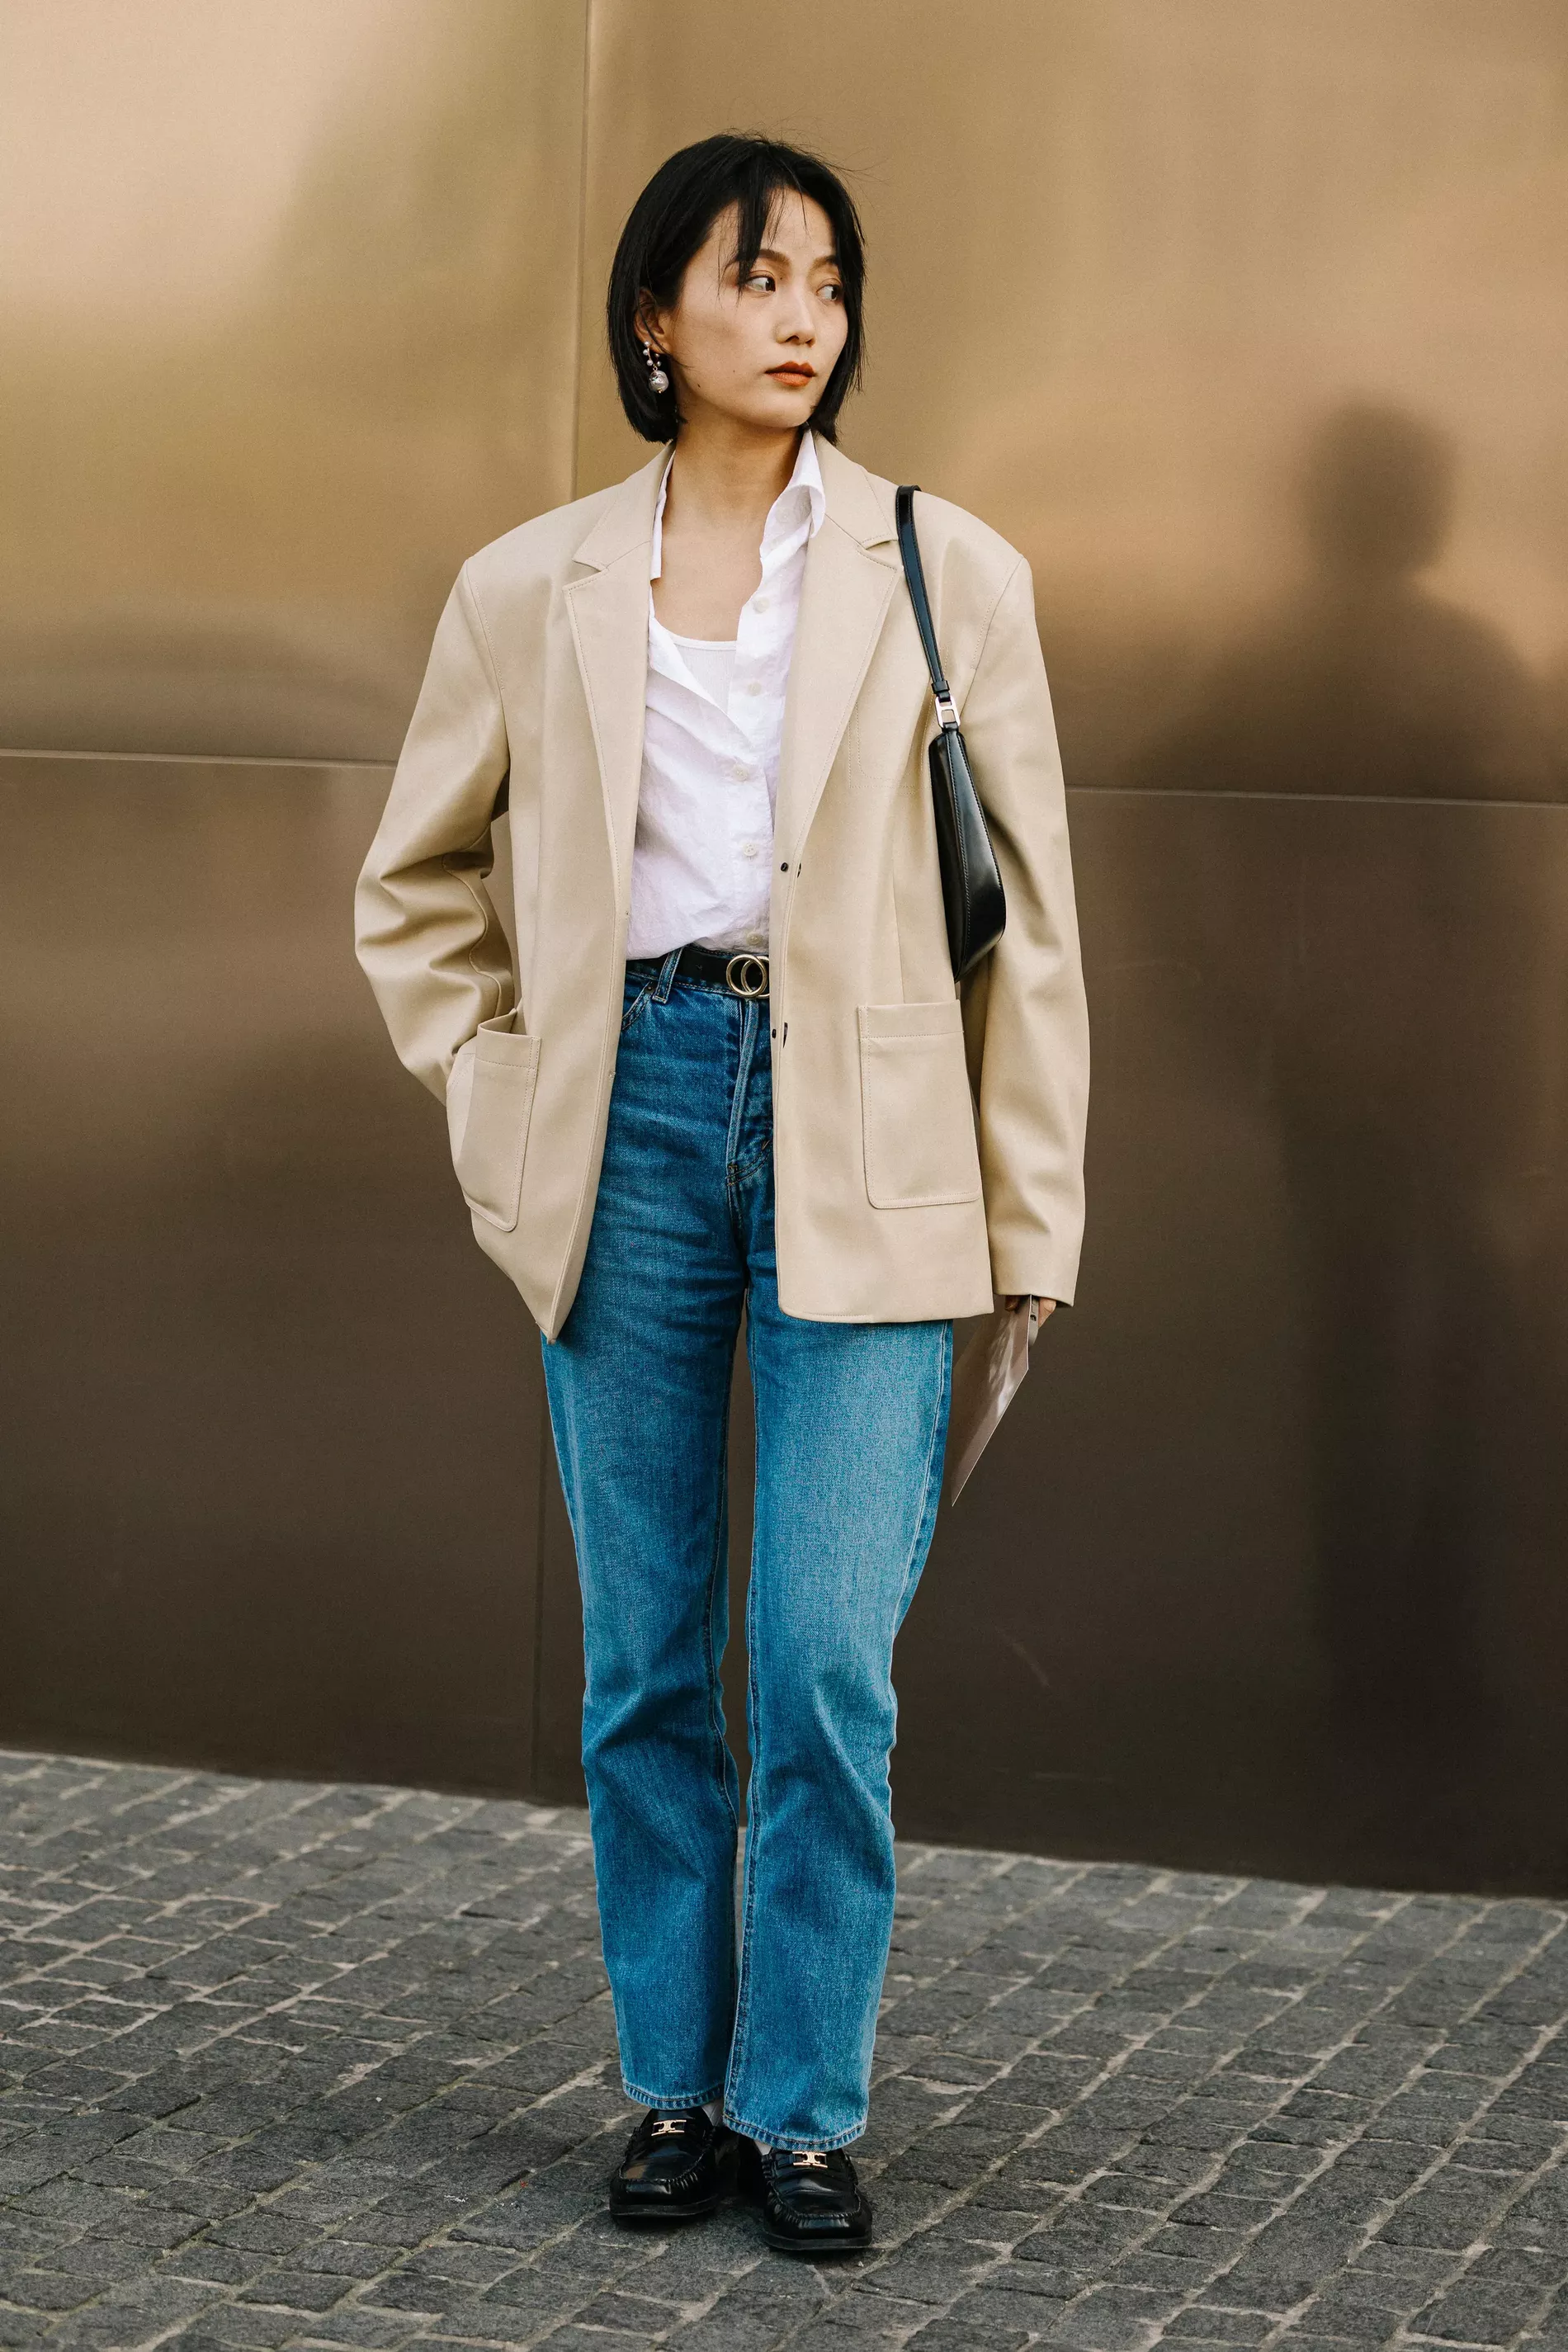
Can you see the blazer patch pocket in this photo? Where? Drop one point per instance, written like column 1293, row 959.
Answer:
column 917, row 1113
column 489, row 1100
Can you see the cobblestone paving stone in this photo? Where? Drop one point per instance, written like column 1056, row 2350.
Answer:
column 299, row 2066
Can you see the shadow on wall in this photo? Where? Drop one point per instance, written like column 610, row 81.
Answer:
column 1363, row 681
column 1410, row 1060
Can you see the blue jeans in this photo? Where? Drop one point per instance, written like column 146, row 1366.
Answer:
column 851, row 1423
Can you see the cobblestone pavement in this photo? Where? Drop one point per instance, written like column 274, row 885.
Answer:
column 307, row 2066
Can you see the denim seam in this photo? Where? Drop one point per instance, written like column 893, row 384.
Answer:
column 741, row 2036
column 568, row 1490
column 754, row 1161
column 717, row 1565
column 938, row 1429
column 924, row 1527
column 743, row 1057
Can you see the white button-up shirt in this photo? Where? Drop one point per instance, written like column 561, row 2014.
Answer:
column 701, row 865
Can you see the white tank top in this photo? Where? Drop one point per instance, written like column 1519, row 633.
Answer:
column 712, row 661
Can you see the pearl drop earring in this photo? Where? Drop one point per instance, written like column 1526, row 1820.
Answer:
column 658, row 381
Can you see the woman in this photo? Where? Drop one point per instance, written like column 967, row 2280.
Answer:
column 732, row 1070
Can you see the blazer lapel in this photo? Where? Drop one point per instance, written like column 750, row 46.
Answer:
column 851, row 572
column 608, row 608
column 845, row 596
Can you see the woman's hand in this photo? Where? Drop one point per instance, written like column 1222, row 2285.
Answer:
column 1046, row 1305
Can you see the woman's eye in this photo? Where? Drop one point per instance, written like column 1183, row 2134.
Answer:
column 759, row 278
column 834, row 293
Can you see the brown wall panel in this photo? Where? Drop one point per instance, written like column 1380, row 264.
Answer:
column 272, row 1424
column 1263, row 1568
column 1267, row 1569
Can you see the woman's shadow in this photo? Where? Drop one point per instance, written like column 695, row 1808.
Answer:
column 1362, row 681
column 1391, row 970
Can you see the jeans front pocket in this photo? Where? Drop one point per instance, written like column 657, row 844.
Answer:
column 637, row 995
column 490, row 1102
column 917, row 1113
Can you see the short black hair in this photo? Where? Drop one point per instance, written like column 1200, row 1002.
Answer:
column 669, row 222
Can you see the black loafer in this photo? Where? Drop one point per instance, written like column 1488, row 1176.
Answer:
column 812, row 2204
column 676, row 2169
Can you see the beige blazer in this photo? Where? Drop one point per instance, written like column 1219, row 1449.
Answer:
column 927, row 1150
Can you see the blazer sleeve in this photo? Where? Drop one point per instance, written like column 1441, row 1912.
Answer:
column 1025, row 1011
column 425, row 931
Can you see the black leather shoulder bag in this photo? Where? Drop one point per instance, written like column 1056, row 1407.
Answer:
column 972, row 893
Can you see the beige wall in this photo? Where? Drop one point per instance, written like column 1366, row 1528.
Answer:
column 1126, row 253
column 291, row 326
column 302, row 304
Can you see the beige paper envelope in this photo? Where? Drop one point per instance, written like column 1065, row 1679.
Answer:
column 986, row 1380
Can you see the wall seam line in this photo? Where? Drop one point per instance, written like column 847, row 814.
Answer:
column 202, row 759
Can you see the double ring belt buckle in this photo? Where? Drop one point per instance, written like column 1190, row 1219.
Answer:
column 746, row 975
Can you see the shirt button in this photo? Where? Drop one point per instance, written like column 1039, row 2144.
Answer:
column 740, row 772
column 755, row 687
column 748, row 849
column 759, row 603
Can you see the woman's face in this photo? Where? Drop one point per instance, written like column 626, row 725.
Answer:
column 759, row 350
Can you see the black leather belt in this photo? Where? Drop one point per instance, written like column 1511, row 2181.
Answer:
column 741, row 972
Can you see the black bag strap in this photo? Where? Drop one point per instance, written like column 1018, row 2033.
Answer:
column 914, row 573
